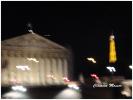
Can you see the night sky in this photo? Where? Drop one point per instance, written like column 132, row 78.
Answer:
column 82, row 26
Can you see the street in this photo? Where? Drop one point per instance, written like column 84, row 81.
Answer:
column 63, row 92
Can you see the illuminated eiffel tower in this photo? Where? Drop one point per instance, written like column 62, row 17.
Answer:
column 112, row 49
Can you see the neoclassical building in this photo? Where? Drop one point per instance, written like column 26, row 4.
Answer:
column 33, row 60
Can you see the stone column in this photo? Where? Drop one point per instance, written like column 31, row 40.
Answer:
column 54, row 70
column 27, row 72
column 65, row 68
column 31, row 72
column 34, row 68
column 5, row 71
column 42, row 71
column 13, row 70
column 31, row 78
column 60, row 70
column 22, row 61
column 19, row 74
column 37, row 71
column 48, row 73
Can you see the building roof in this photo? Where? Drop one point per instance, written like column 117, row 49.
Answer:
column 31, row 39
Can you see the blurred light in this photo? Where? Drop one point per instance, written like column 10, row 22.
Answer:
column 15, row 95
column 130, row 66
column 81, row 78
column 127, row 82
column 14, row 81
column 51, row 76
column 33, row 59
column 126, row 93
column 95, row 76
column 91, row 59
column 112, row 37
column 68, row 94
column 98, row 81
column 73, row 86
column 23, row 67
column 19, row 88
column 111, row 69
column 66, row 79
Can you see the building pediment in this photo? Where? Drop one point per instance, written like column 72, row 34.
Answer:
column 33, row 41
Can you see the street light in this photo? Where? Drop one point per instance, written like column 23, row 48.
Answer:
column 130, row 66
column 92, row 60
column 19, row 88
column 111, row 69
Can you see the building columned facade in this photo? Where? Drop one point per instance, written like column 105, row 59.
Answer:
column 33, row 60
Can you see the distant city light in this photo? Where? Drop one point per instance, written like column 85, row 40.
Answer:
column 130, row 66
column 19, row 88
column 111, row 69
column 91, row 59
column 33, row 59
column 23, row 67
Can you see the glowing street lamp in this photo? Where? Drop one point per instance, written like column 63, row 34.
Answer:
column 92, row 60
column 130, row 66
column 111, row 69
column 19, row 88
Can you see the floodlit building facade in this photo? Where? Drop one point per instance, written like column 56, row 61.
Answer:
column 33, row 60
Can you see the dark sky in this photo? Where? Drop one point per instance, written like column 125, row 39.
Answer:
column 84, row 26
